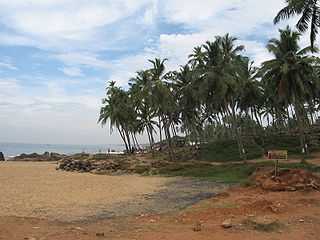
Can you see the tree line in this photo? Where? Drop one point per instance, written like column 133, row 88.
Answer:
column 219, row 92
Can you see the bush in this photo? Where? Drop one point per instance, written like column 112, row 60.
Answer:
column 227, row 151
column 281, row 142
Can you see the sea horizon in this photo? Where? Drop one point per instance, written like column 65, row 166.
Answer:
column 10, row 149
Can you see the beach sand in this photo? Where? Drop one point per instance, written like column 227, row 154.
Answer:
column 38, row 190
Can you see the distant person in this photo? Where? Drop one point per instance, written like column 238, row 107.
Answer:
column 133, row 150
column 2, row 157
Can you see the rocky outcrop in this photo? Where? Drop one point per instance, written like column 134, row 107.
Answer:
column 75, row 165
column 107, row 164
column 95, row 166
column 2, row 157
column 39, row 157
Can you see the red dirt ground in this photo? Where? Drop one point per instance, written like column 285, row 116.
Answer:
column 297, row 215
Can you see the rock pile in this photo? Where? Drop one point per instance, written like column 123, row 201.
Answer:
column 287, row 180
column 112, row 164
column 116, row 165
column 39, row 157
column 75, row 165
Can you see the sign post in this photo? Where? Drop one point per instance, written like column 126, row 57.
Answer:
column 277, row 155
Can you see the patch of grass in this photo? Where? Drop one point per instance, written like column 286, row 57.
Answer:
column 225, row 205
column 228, row 173
column 263, row 227
column 283, row 164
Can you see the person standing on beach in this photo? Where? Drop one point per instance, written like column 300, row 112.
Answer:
column 2, row 157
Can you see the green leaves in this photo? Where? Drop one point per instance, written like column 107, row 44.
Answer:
column 309, row 12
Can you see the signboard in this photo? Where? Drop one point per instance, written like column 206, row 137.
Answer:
column 278, row 155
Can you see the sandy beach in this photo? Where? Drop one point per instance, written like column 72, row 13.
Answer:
column 38, row 190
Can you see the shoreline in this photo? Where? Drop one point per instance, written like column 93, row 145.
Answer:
column 11, row 150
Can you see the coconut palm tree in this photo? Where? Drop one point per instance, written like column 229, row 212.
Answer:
column 157, row 75
column 221, row 78
column 118, row 109
column 309, row 12
column 290, row 76
column 141, row 94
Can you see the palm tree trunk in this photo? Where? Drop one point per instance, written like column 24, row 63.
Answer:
column 160, row 128
column 136, row 140
column 150, row 142
column 237, row 133
column 299, row 112
column 128, row 140
column 167, row 129
column 133, row 141
column 151, row 134
column 123, row 138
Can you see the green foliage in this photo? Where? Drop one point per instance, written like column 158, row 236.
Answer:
column 228, row 151
column 309, row 16
column 281, row 142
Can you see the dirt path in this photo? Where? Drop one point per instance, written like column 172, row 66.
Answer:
column 296, row 215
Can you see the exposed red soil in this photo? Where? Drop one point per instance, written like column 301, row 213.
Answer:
column 298, row 214
column 286, row 179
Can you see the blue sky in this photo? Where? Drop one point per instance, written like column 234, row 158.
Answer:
column 57, row 55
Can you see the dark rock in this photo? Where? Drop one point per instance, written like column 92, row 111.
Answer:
column 39, row 157
column 197, row 227
column 100, row 234
column 2, row 156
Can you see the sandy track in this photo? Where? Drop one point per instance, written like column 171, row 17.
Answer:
column 38, row 190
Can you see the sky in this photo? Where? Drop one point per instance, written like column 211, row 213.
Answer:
column 56, row 56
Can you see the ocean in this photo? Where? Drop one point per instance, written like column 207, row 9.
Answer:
column 15, row 149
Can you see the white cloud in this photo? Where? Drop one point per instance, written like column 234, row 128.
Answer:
column 47, row 113
column 82, row 59
column 58, row 24
column 151, row 13
column 194, row 12
column 72, row 71
column 8, row 65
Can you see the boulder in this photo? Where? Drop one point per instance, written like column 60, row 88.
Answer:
column 2, row 157
column 227, row 223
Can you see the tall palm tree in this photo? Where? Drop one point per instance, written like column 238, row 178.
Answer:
column 251, row 94
column 188, row 100
column 118, row 109
column 157, row 74
column 309, row 12
column 222, row 70
column 141, row 91
column 290, row 75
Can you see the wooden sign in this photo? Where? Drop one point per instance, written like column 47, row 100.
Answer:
column 278, row 155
